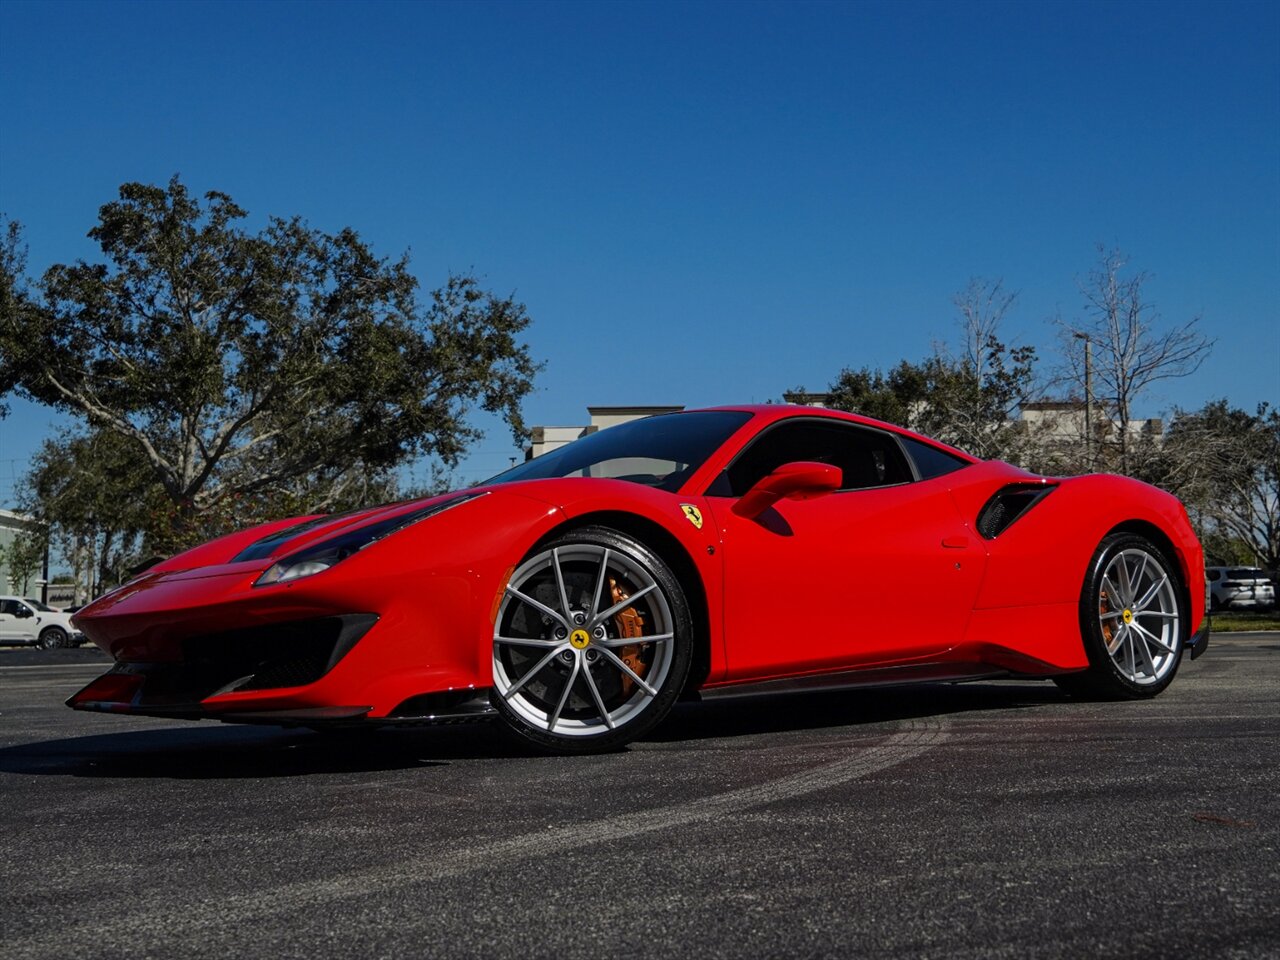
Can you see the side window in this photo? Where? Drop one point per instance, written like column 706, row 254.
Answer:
column 930, row 461
column 1213, row 574
column 866, row 458
column 10, row 607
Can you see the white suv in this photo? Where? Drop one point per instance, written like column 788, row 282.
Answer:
column 1238, row 587
column 32, row 622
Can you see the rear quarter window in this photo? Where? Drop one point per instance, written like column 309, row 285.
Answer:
column 929, row 460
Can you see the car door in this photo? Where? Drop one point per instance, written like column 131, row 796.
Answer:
column 882, row 571
column 13, row 628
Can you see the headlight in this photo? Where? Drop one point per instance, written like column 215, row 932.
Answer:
column 292, row 570
column 318, row 557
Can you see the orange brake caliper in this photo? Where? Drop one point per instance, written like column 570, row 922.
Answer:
column 1108, row 626
column 629, row 623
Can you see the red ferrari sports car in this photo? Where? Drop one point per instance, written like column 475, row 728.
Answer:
column 575, row 597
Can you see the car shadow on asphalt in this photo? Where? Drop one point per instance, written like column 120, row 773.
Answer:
column 208, row 752
column 204, row 751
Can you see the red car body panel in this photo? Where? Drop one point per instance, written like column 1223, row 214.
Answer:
column 866, row 579
column 846, row 580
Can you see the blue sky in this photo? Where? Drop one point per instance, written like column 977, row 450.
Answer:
column 698, row 203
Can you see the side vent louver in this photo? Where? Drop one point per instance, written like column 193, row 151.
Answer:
column 1008, row 504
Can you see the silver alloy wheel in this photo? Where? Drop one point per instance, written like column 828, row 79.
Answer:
column 1138, row 614
column 559, row 656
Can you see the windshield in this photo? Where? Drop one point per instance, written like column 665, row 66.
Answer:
column 42, row 607
column 660, row 452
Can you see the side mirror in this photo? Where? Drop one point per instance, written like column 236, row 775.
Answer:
column 23, row 613
column 802, row 480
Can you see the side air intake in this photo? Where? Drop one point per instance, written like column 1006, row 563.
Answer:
column 1008, row 504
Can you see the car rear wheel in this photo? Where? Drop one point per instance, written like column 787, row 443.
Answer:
column 1133, row 619
column 53, row 638
column 591, row 645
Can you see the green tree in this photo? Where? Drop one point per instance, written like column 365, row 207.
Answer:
column 89, row 491
column 14, row 296
column 945, row 399
column 25, row 558
column 253, row 371
column 895, row 396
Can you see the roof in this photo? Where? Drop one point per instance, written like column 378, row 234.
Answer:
column 624, row 411
column 770, row 412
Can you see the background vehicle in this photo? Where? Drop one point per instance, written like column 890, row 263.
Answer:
column 575, row 597
column 25, row 621
column 1239, row 587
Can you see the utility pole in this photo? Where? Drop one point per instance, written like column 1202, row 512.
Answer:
column 1088, row 397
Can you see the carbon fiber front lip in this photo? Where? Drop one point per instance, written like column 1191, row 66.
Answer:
column 1199, row 641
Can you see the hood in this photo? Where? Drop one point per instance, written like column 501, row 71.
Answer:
column 260, row 546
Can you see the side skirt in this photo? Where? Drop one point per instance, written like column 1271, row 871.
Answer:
column 846, row 679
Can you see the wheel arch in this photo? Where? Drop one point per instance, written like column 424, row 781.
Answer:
column 1144, row 528
column 674, row 554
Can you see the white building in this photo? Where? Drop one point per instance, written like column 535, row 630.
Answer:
column 11, row 526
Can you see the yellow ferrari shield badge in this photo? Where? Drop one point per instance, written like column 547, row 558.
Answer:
column 692, row 514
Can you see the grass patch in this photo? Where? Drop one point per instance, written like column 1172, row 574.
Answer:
column 1232, row 621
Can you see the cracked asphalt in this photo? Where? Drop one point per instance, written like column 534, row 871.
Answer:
column 978, row 820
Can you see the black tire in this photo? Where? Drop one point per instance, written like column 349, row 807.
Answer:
column 593, row 692
column 1118, row 668
column 53, row 638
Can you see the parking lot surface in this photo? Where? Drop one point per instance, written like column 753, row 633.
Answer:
column 979, row 820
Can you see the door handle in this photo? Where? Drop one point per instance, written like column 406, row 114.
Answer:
column 955, row 543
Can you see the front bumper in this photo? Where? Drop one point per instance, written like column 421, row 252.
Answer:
column 268, row 659
column 125, row 690
column 270, row 674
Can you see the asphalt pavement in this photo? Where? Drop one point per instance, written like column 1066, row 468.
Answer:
column 978, row 820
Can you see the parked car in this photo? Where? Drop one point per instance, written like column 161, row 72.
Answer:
column 26, row 621
column 1239, row 587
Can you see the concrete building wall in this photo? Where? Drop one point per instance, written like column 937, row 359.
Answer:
column 545, row 439
column 604, row 417
column 1064, row 422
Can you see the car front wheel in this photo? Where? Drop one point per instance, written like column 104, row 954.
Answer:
column 1133, row 620
column 591, row 645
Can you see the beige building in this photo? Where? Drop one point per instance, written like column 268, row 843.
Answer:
column 546, row 439
column 1063, row 421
